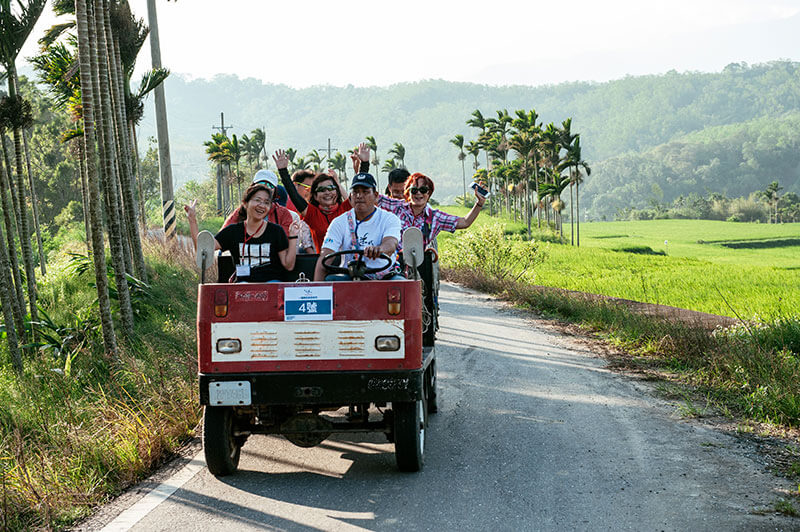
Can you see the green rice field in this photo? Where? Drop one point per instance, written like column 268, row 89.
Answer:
column 726, row 268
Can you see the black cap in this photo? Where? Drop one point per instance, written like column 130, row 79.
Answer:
column 363, row 179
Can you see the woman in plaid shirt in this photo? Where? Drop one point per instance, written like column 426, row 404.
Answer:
column 415, row 211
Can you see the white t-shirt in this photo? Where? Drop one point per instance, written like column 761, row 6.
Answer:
column 370, row 232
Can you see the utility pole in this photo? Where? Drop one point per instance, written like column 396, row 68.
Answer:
column 329, row 152
column 162, row 129
column 222, row 128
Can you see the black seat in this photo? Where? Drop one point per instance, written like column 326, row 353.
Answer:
column 305, row 263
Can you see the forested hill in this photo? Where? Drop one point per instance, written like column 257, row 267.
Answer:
column 622, row 123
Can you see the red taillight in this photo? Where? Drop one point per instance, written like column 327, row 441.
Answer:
column 393, row 300
column 221, row 303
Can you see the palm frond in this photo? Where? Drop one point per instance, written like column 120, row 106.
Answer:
column 70, row 134
column 54, row 32
column 151, row 80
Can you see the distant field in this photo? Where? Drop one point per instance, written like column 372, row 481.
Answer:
column 724, row 268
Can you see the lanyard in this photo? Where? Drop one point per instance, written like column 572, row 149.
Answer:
column 358, row 223
column 247, row 236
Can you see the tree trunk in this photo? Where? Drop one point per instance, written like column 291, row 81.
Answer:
column 95, row 216
column 22, row 222
column 577, row 216
column 7, row 299
column 126, row 181
column 35, row 204
column 219, row 189
column 571, row 218
column 107, row 151
column 137, row 175
column 15, row 286
column 9, row 217
column 85, row 198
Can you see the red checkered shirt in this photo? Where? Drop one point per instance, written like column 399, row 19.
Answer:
column 436, row 219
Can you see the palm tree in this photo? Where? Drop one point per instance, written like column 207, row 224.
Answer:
column 773, row 195
column 260, row 144
column 458, row 142
column 103, row 100
column 499, row 127
column 474, row 149
column 14, row 31
column 300, row 163
column 18, row 297
column 125, row 36
column 315, row 159
column 218, row 150
column 339, row 163
column 291, row 153
column 479, row 122
column 236, row 155
column 389, row 165
column 399, row 153
column 524, row 144
column 530, row 131
column 10, row 216
column 98, row 252
column 578, row 168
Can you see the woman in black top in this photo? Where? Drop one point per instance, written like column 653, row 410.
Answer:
column 260, row 248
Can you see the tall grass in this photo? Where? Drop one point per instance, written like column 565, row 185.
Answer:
column 751, row 369
column 74, row 433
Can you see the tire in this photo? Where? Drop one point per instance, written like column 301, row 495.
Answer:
column 221, row 448
column 409, row 435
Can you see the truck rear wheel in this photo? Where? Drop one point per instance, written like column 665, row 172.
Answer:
column 219, row 444
column 409, row 434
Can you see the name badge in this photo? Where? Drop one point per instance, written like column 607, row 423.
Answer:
column 243, row 270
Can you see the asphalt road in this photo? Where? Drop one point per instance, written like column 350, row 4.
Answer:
column 533, row 433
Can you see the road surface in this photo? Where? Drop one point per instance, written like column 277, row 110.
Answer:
column 534, row 433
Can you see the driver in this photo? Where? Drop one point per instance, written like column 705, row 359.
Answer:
column 364, row 227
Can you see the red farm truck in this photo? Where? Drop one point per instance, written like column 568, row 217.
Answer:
column 309, row 359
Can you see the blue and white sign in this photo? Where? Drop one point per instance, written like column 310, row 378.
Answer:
column 311, row 303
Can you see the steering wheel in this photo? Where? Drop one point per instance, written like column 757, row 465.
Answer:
column 356, row 269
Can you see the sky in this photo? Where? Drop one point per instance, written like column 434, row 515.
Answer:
column 502, row 42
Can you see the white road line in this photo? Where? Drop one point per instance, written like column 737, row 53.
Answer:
column 127, row 519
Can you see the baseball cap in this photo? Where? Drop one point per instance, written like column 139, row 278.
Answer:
column 267, row 177
column 363, row 179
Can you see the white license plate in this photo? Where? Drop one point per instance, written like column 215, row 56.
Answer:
column 229, row 393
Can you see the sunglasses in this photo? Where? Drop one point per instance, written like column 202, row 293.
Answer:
column 421, row 190
column 265, row 183
column 330, row 188
column 302, row 185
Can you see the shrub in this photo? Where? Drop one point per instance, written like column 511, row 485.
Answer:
column 487, row 251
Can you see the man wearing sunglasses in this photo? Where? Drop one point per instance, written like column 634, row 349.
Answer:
column 364, row 227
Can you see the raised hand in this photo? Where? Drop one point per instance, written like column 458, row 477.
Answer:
column 281, row 159
column 363, row 152
column 294, row 228
column 356, row 160
column 191, row 209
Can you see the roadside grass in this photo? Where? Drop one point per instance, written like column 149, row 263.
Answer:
column 751, row 370
column 629, row 260
column 77, row 428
